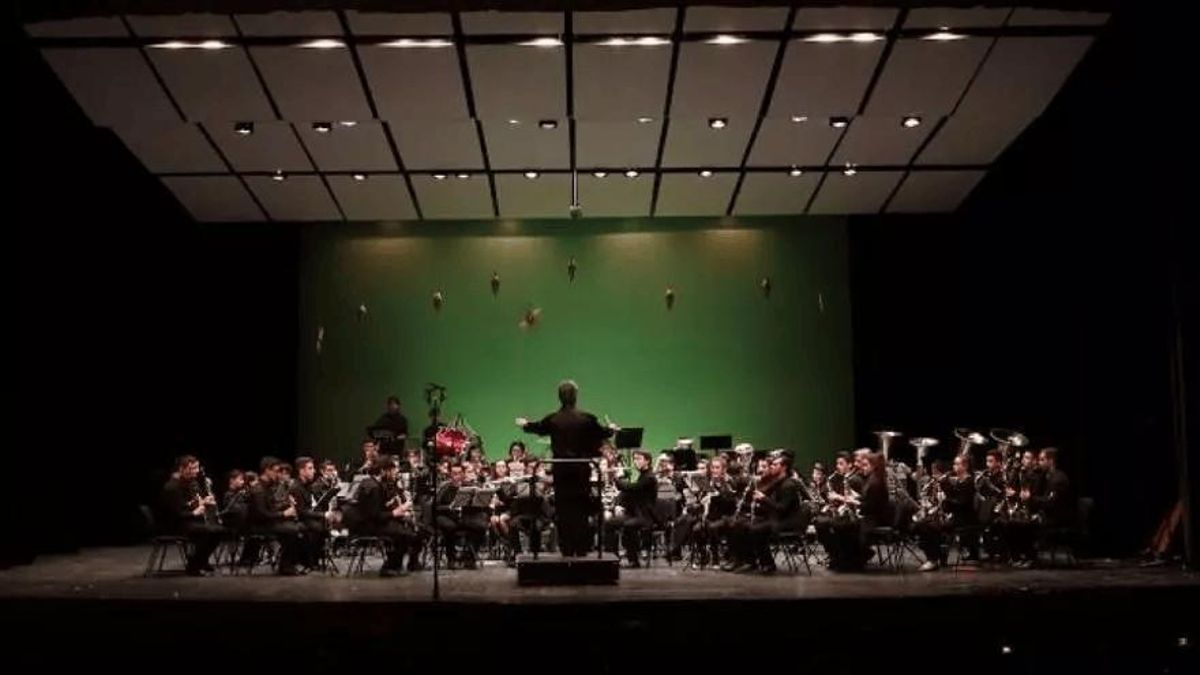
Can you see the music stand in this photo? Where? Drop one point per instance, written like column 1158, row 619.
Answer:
column 716, row 443
column 628, row 438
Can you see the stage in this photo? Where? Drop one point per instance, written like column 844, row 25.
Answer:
column 1103, row 612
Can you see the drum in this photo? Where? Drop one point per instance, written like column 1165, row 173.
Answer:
column 450, row 442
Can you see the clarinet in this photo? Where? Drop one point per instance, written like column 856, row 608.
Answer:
column 212, row 515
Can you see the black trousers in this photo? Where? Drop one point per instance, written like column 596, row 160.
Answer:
column 204, row 539
column 313, row 533
column 845, row 541
column 288, row 533
column 933, row 537
column 473, row 526
column 684, row 531
column 631, row 529
column 572, row 504
column 531, row 525
column 401, row 537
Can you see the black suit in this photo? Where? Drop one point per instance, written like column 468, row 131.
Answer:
column 780, row 510
column 573, row 435
column 374, row 510
column 638, row 498
column 470, row 522
column 178, row 499
column 312, row 523
column 266, row 517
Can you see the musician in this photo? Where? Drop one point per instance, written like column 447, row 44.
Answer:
column 452, row 521
column 672, row 486
column 526, row 509
column 845, row 538
column 574, row 434
column 777, row 507
column 328, row 478
column 718, row 506
column 185, row 510
column 517, row 451
column 272, row 513
column 1054, row 502
column 370, row 453
column 394, row 422
column 638, row 496
column 957, row 510
column 314, row 523
column 382, row 511
column 235, row 505
column 251, row 479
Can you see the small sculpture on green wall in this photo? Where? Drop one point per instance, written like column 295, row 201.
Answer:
column 320, row 339
column 530, row 317
column 438, row 299
column 765, row 285
column 495, row 283
column 362, row 312
column 571, row 268
column 670, row 297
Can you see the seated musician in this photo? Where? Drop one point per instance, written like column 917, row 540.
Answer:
column 314, row 523
column 189, row 513
column 994, row 506
column 517, row 452
column 957, row 510
column 234, row 504
column 327, row 478
column 501, row 501
column 777, row 508
column 717, row 507
column 638, row 497
column 383, row 511
column 452, row 521
column 526, row 509
column 844, row 538
column 273, row 513
column 370, row 453
column 1053, row 503
column 687, row 513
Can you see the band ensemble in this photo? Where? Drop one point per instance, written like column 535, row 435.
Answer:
column 727, row 513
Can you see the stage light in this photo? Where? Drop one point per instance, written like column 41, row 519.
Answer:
column 531, row 174
column 1006, row 650
column 439, row 176
column 726, row 40
column 647, row 41
column 1182, row 641
column 705, row 173
column 348, row 123
column 717, row 122
column 243, row 128
column 548, row 124
column 513, row 123
column 542, row 42
column 360, row 177
column 599, row 174
column 409, row 43
column 944, row 36
column 911, row 121
column 324, row 43
column 865, row 37
column 645, row 120
column 850, row 169
column 824, row 38
column 180, row 44
column 278, row 175
column 839, row 122
column 462, row 176
column 322, row 127
column 799, row 118
column 796, row 171
column 631, row 173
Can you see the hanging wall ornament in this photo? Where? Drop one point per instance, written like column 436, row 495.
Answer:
column 495, row 283
column 765, row 285
column 438, row 299
column 669, row 296
column 320, row 339
column 530, row 317
column 362, row 312
column 571, row 268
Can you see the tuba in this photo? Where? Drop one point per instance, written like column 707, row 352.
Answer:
column 1006, row 441
column 886, row 437
column 967, row 439
column 922, row 444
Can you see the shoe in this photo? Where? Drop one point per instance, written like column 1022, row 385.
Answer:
column 767, row 570
column 289, row 572
column 388, row 572
column 208, row 568
column 927, row 566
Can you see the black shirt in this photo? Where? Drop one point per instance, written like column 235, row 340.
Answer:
column 639, row 496
column 396, row 423
column 178, row 500
column 574, row 434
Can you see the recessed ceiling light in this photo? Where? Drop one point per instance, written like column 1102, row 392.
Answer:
column 850, row 169
column 462, row 176
column 799, row 118
column 322, row 127
column 910, row 121
column 631, row 173
column 705, row 173
column 439, row 176
column 278, row 175
column 824, row 38
column 531, row 174
column 944, row 36
column 244, row 128
column 542, row 42
column 360, row 177
column 514, row 122
column 180, row 44
column 726, row 40
column 599, row 174
column 796, row 171
column 409, row 43
column 324, row 43
column 865, row 37
column 347, row 123
column 718, row 122
column 645, row 120
column 548, row 124
column 839, row 122
column 645, row 41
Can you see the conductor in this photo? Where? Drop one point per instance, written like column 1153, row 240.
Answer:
column 574, row 434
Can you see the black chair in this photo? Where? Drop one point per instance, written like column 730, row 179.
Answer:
column 794, row 548
column 359, row 547
column 1068, row 538
column 161, row 544
column 657, row 538
column 265, row 549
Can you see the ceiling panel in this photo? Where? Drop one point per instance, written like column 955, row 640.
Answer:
column 691, row 142
column 782, row 142
column 379, row 197
column 926, row 77
column 615, row 195
column 616, row 144
column 933, row 191
column 620, row 83
column 881, row 140
column 193, row 75
column 1028, row 16
column 93, row 26
column 1020, row 77
column 632, row 22
column 453, row 198
column 311, row 85
column 734, row 19
column 844, row 18
column 415, row 83
column 298, row 198
column 547, row 196
column 688, row 194
column 362, row 147
column 824, row 79
column 448, row 145
column 214, row 198
column 864, row 192
column 381, row 23
column 544, row 23
column 722, row 80
column 183, row 25
column 514, row 82
column 113, row 85
column 171, row 148
column 290, row 23
column 527, row 146
column 956, row 17
column 775, row 192
column 271, row 147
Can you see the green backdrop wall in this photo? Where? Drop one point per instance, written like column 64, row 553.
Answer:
column 772, row 369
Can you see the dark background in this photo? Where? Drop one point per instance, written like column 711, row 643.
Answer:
column 1049, row 303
